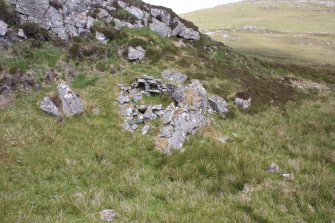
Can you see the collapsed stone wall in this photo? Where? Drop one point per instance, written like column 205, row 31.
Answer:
column 68, row 19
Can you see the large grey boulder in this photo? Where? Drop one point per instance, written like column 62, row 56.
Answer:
column 174, row 76
column 3, row 28
column 48, row 106
column 187, row 33
column 138, row 13
column 160, row 27
column 70, row 102
column 218, row 104
column 162, row 14
column 136, row 53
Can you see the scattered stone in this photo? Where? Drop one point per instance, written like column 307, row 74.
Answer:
column 288, row 176
column 168, row 114
column 246, row 188
column 21, row 34
column 244, row 104
column 187, row 33
column 175, row 76
column 218, row 104
column 273, row 168
column 134, row 127
column 107, row 215
column 96, row 111
column 3, row 28
column 136, row 53
column 145, row 129
column 101, row 38
column 48, row 106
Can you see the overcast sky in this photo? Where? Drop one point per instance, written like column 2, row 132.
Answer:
column 182, row 6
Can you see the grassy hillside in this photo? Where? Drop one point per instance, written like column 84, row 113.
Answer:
column 68, row 170
column 292, row 31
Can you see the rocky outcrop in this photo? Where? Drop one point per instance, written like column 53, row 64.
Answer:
column 184, row 116
column 136, row 53
column 66, row 102
column 68, row 19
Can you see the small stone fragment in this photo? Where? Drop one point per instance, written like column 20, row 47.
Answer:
column 101, row 38
column 218, row 104
column 288, row 176
column 21, row 34
column 96, row 111
column 246, row 188
column 136, row 53
column 244, row 104
column 145, row 129
column 273, row 168
column 107, row 215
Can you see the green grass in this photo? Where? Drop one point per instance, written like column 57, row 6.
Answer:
column 297, row 32
column 69, row 171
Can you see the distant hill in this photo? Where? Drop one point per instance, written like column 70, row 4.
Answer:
column 299, row 31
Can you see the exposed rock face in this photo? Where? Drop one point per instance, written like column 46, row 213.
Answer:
column 242, row 103
column 136, row 53
column 68, row 103
column 68, row 19
column 174, row 76
column 218, row 104
column 101, row 38
column 3, row 28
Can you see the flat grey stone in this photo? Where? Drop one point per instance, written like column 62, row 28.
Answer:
column 244, row 104
column 145, row 129
column 107, row 215
column 3, row 28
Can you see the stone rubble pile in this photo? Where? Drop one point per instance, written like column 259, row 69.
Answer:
column 184, row 116
column 66, row 102
column 68, row 19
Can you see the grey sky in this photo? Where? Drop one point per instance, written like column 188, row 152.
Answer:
column 182, row 6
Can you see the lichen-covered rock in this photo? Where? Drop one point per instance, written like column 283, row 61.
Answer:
column 218, row 104
column 187, row 33
column 242, row 103
column 174, row 76
column 70, row 102
column 136, row 53
column 3, row 28
column 48, row 106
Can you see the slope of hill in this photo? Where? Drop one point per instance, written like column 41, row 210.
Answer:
column 293, row 31
column 69, row 169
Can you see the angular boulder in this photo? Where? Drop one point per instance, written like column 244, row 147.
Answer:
column 242, row 103
column 160, row 28
column 136, row 53
column 70, row 102
column 218, row 104
column 174, row 76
